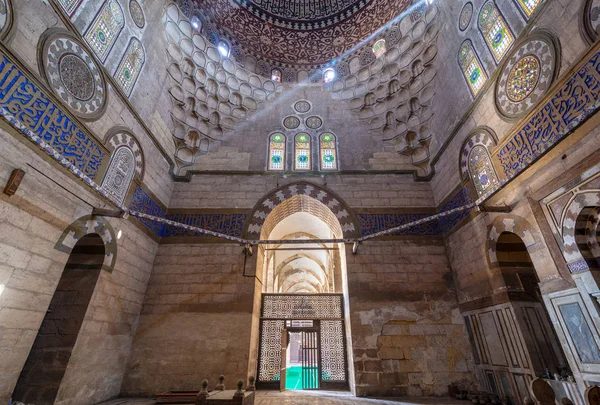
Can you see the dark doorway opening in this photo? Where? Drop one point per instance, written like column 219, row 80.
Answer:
column 48, row 359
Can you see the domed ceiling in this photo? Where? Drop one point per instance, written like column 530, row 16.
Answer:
column 294, row 33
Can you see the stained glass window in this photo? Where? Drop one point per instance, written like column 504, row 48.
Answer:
column 276, row 75
column 528, row 6
column 277, row 152
column 131, row 65
column 329, row 75
column 70, row 6
column 328, row 152
column 495, row 31
column 482, row 171
column 302, row 161
column 471, row 67
column 104, row 30
column 379, row 49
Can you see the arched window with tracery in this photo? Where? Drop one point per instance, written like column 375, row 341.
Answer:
column 131, row 65
column 379, row 49
column 302, row 152
column 126, row 163
column 328, row 151
column 276, row 152
column 475, row 161
column 528, row 7
column 470, row 64
column 102, row 33
column 482, row 171
column 119, row 174
column 492, row 25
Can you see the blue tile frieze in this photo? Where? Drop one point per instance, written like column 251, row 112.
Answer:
column 574, row 102
column 31, row 112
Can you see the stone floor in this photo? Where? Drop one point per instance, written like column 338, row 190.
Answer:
column 314, row 398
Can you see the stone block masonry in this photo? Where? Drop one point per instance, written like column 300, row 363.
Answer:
column 196, row 320
column 407, row 334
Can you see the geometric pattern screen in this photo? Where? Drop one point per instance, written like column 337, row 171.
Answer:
column 333, row 351
column 276, row 309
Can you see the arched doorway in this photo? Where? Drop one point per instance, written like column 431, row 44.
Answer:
column 302, row 337
column 41, row 377
column 513, row 339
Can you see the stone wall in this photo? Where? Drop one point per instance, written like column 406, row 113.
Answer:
column 196, row 320
column 31, row 223
column 358, row 191
column 407, row 333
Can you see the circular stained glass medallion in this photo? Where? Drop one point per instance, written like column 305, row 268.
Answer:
column 302, row 106
column 137, row 14
column 314, row 122
column 466, row 15
column 523, row 78
column 73, row 76
column 291, row 122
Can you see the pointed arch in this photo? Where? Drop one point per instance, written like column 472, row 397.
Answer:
column 471, row 67
column 86, row 225
column 495, row 31
column 322, row 203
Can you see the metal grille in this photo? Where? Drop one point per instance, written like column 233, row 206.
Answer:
column 302, row 306
column 333, row 356
column 324, row 349
column 310, row 361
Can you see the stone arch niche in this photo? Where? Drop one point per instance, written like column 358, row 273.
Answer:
column 579, row 227
column 310, row 274
column 42, row 374
column 510, row 331
column 341, row 212
column 90, row 224
column 475, row 162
